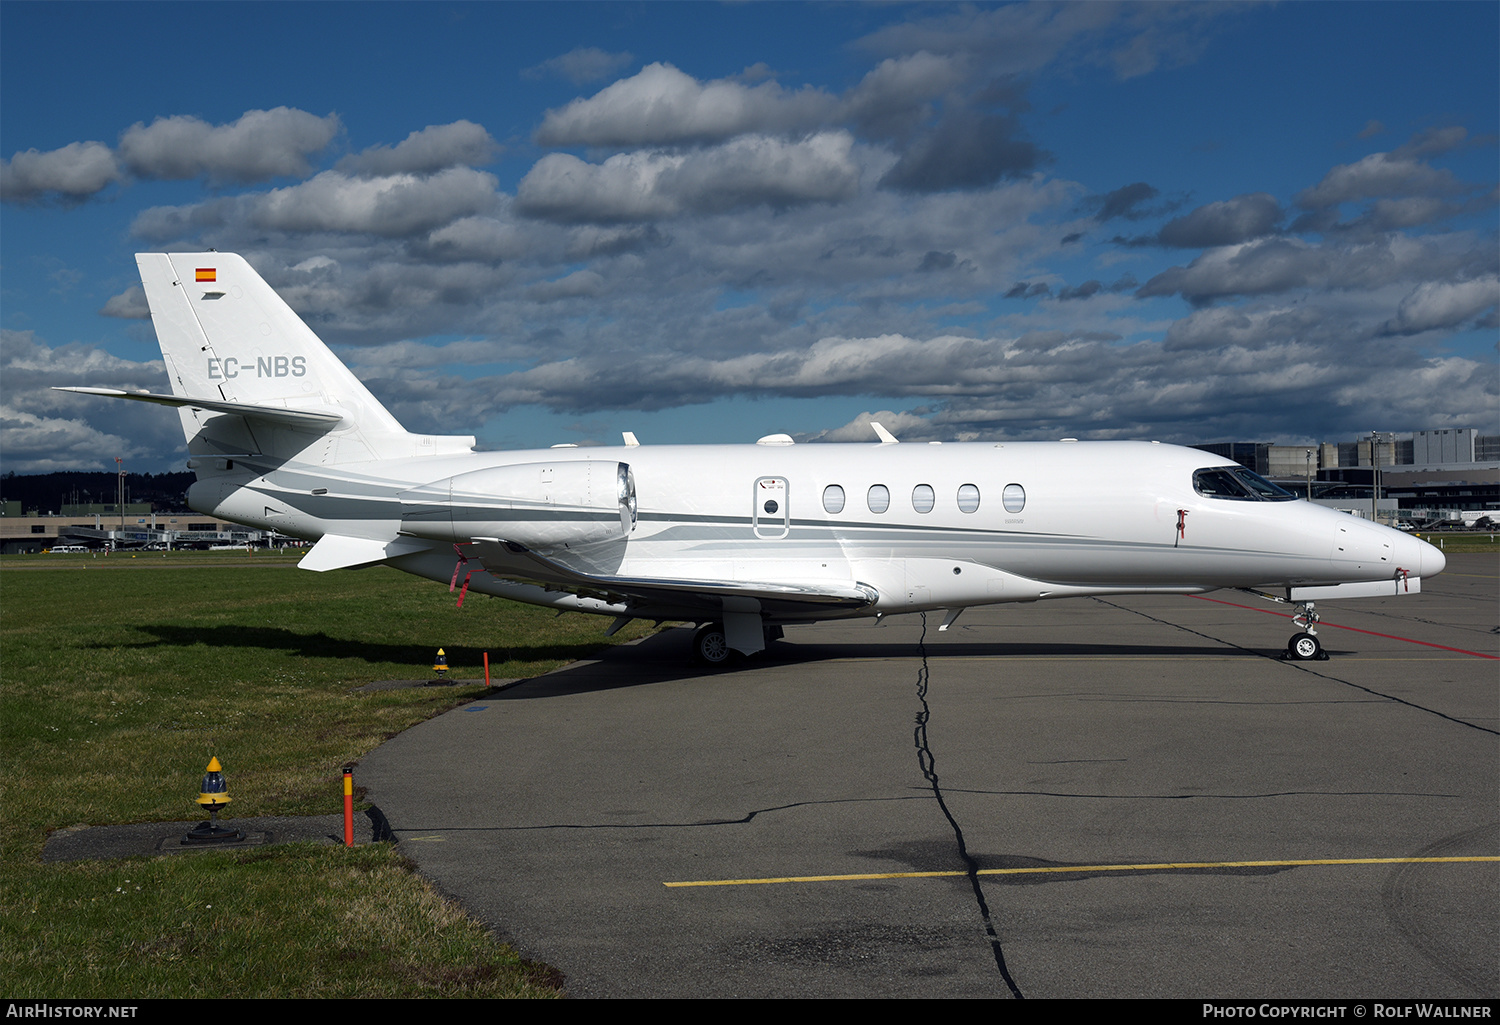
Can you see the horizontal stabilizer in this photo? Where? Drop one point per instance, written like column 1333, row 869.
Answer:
column 274, row 414
column 336, row 551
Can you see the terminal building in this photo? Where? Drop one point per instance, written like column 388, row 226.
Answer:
column 103, row 526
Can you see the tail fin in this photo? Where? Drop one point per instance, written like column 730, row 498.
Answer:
column 229, row 340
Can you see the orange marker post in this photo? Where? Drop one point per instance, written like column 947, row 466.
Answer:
column 486, row 670
column 348, row 806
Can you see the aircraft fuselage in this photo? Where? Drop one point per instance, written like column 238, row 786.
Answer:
column 925, row 526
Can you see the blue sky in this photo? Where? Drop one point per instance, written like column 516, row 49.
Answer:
column 550, row 223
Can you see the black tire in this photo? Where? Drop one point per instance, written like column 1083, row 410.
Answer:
column 1304, row 647
column 711, row 645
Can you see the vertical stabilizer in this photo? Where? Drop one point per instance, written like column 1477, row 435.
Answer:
column 226, row 335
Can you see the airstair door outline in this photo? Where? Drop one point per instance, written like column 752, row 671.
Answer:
column 771, row 515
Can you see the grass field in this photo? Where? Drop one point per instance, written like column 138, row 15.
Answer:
column 121, row 677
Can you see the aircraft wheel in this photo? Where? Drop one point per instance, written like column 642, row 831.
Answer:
column 1304, row 647
column 711, row 646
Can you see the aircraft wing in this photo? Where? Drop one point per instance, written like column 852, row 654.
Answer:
column 275, row 414
column 516, row 562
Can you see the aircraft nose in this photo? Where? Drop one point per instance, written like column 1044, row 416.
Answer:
column 1433, row 559
column 1421, row 559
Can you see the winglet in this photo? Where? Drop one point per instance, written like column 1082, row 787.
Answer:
column 885, row 436
column 630, row 440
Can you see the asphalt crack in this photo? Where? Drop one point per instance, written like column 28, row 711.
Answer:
column 927, row 761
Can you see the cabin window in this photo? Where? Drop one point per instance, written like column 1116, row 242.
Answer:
column 1013, row 498
column 833, row 499
column 1238, row 484
column 879, row 498
column 922, row 498
column 968, row 498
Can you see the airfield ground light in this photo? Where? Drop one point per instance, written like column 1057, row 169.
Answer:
column 213, row 795
column 440, row 665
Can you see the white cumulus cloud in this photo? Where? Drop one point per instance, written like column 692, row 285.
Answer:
column 585, row 64
column 42, row 430
column 396, row 205
column 1379, row 174
column 71, row 173
column 423, row 152
column 647, row 185
column 661, row 105
column 1436, row 305
column 260, row 145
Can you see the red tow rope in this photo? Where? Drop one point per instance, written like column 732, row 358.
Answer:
column 463, row 560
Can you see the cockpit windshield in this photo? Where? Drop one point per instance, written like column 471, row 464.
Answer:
column 1238, row 484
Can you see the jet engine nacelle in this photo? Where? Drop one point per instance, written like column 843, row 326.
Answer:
column 539, row 505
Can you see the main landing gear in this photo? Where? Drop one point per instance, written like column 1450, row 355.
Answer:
column 1305, row 646
column 711, row 644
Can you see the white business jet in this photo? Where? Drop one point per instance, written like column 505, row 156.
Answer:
column 740, row 539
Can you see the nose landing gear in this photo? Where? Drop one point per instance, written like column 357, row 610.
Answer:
column 1305, row 646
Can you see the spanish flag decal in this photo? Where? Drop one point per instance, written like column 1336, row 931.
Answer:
column 208, row 274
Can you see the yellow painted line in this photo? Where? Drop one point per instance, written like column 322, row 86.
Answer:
column 429, row 839
column 1403, row 660
column 1161, row 867
column 1164, row 657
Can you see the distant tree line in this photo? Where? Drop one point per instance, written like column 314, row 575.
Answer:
column 49, row 492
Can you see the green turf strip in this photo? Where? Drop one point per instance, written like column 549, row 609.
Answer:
column 120, row 678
